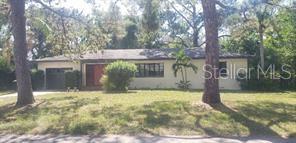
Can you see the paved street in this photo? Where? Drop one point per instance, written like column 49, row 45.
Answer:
column 136, row 139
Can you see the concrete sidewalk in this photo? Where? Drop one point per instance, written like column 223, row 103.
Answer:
column 135, row 139
column 35, row 93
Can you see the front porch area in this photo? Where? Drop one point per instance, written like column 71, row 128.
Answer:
column 93, row 75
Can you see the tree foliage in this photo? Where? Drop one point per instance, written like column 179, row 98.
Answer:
column 191, row 15
column 182, row 65
column 150, row 24
column 130, row 40
column 267, row 24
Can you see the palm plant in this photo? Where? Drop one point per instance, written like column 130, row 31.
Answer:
column 182, row 64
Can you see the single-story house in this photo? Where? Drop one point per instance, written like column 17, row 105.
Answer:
column 154, row 68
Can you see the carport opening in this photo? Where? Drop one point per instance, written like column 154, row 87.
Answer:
column 55, row 78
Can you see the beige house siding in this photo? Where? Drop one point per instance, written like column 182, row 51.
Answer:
column 47, row 65
column 169, row 80
column 236, row 66
column 197, row 80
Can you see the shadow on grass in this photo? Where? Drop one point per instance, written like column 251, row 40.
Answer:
column 174, row 117
column 274, row 114
column 56, row 114
column 4, row 110
column 222, row 91
column 120, row 92
column 254, row 127
column 6, row 92
column 250, row 115
column 74, row 115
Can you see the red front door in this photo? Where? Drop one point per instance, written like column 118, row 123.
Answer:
column 94, row 74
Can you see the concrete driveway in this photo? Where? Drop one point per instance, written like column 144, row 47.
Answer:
column 135, row 139
column 36, row 93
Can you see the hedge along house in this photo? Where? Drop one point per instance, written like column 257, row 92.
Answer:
column 154, row 68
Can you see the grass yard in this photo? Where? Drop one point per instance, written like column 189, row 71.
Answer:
column 153, row 112
column 4, row 92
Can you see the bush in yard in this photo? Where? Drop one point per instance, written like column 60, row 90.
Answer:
column 259, row 84
column 37, row 77
column 107, row 85
column 73, row 79
column 6, row 74
column 289, row 84
column 5, row 79
column 118, row 76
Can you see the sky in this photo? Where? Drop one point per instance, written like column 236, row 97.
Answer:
column 81, row 5
column 85, row 7
column 77, row 4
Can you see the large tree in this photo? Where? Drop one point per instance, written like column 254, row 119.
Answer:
column 150, row 24
column 113, row 24
column 211, row 90
column 130, row 40
column 190, row 13
column 23, row 77
column 70, row 32
column 259, row 13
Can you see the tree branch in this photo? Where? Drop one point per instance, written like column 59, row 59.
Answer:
column 59, row 13
column 273, row 4
column 183, row 42
column 184, row 17
column 200, row 27
column 186, row 8
column 221, row 4
column 221, row 36
column 226, row 35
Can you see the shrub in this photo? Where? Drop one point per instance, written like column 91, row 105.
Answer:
column 184, row 85
column 288, row 84
column 37, row 77
column 6, row 79
column 3, row 65
column 107, row 85
column 6, row 75
column 73, row 79
column 118, row 76
column 261, row 84
column 264, row 84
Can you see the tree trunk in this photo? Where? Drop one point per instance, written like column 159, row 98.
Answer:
column 211, row 90
column 195, row 38
column 195, row 30
column 262, row 62
column 23, row 77
column 182, row 72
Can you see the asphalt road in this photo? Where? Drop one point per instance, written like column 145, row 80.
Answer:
column 136, row 139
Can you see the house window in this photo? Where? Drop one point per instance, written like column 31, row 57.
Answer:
column 150, row 70
column 223, row 69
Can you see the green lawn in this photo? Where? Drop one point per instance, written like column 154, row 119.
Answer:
column 153, row 112
column 4, row 92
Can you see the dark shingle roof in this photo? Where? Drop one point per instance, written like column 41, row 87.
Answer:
column 141, row 54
